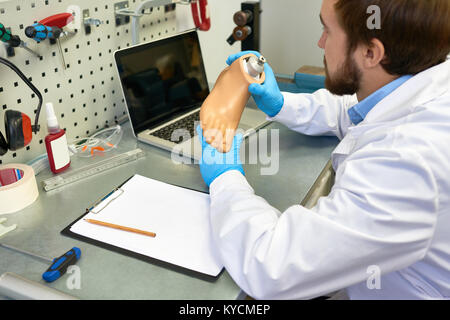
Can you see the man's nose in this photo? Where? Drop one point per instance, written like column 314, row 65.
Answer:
column 321, row 43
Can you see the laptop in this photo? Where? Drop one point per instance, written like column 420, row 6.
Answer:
column 164, row 85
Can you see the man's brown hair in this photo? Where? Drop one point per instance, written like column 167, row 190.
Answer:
column 415, row 33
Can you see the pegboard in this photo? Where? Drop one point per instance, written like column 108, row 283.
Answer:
column 86, row 94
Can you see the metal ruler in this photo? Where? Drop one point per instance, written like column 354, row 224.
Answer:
column 88, row 171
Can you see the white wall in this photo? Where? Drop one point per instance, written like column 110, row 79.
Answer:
column 215, row 48
column 290, row 30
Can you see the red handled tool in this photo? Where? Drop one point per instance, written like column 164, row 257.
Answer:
column 59, row 20
column 51, row 27
column 205, row 22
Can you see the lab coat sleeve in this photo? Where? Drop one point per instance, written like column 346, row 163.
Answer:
column 381, row 212
column 319, row 113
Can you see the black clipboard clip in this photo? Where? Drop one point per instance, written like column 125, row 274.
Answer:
column 103, row 199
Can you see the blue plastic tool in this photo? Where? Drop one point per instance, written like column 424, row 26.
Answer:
column 60, row 265
column 39, row 32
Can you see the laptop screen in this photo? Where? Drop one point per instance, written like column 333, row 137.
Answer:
column 162, row 80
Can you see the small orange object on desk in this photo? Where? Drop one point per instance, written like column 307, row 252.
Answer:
column 116, row 226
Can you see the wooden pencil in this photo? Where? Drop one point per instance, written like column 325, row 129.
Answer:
column 116, row 226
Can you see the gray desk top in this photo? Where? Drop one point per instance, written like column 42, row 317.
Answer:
column 109, row 275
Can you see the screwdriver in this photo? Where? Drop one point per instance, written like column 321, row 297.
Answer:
column 58, row 265
column 40, row 32
column 14, row 41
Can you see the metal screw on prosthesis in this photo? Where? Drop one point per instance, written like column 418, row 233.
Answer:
column 255, row 66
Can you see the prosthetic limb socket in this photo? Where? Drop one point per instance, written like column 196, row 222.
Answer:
column 222, row 110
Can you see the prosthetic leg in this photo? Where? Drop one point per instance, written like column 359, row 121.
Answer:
column 222, row 110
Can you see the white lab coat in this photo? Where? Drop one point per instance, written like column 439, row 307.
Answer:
column 388, row 211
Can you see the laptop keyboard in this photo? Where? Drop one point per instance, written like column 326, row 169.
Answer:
column 187, row 123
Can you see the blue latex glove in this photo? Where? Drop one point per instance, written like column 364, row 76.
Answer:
column 267, row 96
column 213, row 163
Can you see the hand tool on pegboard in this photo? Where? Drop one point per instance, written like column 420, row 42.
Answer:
column 204, row 23
column 51, row 28
column 14, row 40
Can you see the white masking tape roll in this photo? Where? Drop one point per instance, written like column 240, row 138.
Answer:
column 18, row 187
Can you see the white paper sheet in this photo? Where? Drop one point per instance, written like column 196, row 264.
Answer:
column 178, row 216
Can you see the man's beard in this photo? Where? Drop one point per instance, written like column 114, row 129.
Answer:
column 346, row 81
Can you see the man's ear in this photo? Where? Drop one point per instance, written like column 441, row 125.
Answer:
column 373, row 54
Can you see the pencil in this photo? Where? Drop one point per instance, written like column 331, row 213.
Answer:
column 116, row 226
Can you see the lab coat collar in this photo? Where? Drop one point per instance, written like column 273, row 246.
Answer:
column 358, row 112
column 417, row 91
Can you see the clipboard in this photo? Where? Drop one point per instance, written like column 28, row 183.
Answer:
column 108, row 200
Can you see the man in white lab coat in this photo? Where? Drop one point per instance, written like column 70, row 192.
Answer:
column 388, row 100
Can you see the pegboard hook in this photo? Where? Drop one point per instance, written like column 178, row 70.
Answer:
column 138, row 12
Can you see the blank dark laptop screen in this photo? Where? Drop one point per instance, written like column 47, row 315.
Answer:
column 162, row 79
